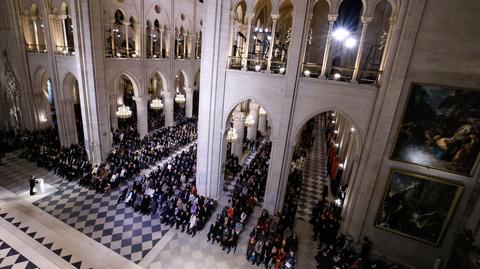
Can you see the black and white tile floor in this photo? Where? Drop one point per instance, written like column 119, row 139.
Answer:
column 11, row 258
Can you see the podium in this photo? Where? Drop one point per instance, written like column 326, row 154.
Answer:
column 39, row 185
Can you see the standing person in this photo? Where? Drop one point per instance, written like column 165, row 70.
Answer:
column 32, row 185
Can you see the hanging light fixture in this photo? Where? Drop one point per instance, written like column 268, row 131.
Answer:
column 180, row 98
column 231, row 135
column 249, row 121
column 124, row 112
column 156, row 104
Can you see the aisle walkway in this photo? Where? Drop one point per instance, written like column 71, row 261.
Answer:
column 315, row 173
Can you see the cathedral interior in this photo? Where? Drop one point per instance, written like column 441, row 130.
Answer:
column 240, row 133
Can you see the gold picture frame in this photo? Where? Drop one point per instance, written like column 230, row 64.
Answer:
column 419, row 208
column 416, row 154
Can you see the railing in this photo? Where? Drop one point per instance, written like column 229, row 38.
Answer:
column 256, row 65
column 65, row 50
column 158, row 55
column 235, row 62
column 36, row 48
column 312, row 70
column 121, row 53
column 341, row 73
column 278, row 67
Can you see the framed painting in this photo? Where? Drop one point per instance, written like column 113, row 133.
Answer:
column 418, row 206
column 440, row 129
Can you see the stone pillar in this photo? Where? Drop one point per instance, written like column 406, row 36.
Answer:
column 282, row 138
column 142, row 114
column 138, row 38
column 262, row 122
column 126, row 38
column 35, row 32
column 113, row 111
column 238, row 119
column 246, row 49
column 185, row 41
column 391, row 24
column 211, row 121
column 70, row 122
column 168, row 107
column 331, row 21
column 272, row 40
column 365, row 22
column 64, row 29
column 189, row 102
column 161, row 42
column 252, row 130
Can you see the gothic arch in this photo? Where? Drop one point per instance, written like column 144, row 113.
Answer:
column 163, row 77
column 358, row 136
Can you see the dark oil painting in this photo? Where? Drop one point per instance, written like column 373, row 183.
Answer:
column 418, row 206
column 440, row 129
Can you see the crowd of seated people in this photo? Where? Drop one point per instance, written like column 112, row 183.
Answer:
column 129, row 155
column 249, row 186
column 232, row 167
column 40, row 146
column 155, row 120
column 272, row 242
column 170, row 191
column 132, row 154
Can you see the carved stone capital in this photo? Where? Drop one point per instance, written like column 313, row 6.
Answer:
column 254, row 106
column 332, row 17
column 238, row 116
column 367, row 19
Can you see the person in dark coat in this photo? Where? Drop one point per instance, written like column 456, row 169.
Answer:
column 32, row 185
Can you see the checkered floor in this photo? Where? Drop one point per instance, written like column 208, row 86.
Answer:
column 315, row 173
column 99, row 217
column 40, row 237
column 185, row 252
column 15, row 172
column 10, row 258
column 230, row 186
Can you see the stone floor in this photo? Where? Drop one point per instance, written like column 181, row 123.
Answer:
column 69, row 226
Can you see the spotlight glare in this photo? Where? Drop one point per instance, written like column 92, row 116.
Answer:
column 350, row 42
column 340, row 34
column 337, row 76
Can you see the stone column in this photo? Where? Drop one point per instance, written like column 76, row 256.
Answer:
column 331, row 21
column 168, row 107
column 252, row 130
column 185, row 41
column 246, row 49
column 113, row 38
column 391, row 24
column 238, row 119
column 35, row 31
column 365, row 22
column 113, row 111
column 161, row 42
column 64, row 29
column 142, row 114
column 138, row 37
column 70, row 122
column 189, row 102
column 272, row 40
column 126, row 37
column 262, row 121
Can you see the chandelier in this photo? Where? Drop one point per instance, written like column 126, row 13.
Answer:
column 180, row 98
column 231, row 135
column 249, row 121
column 156, row 104
column 124, row 112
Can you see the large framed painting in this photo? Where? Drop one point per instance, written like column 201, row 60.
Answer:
column 440, row 129
column 418, row 206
